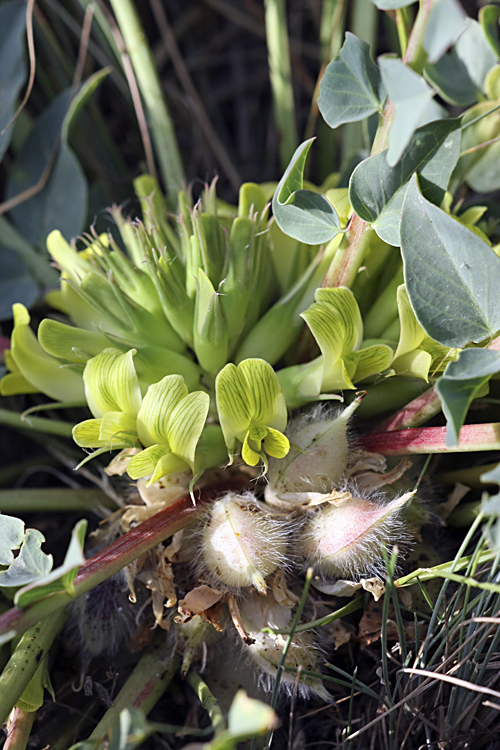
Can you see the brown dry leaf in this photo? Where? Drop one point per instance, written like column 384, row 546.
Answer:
column 375, row 586
column 203, row 601
column 281, row 592
column 371, row 481
column 340, row 633
column 118, row 466
column 363, row 461
column 370, row 625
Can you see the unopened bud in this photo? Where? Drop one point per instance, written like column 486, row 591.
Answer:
column 241, row 544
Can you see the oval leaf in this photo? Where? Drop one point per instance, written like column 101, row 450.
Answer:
column 452, row 277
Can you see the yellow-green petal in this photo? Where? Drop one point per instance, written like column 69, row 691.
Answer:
column 169, row 463
column 118, row 430
column 276, row 444
column 411, row 332
column 233, row 404
column 144, row 463
column 111, row 383
column 267, row 403
column 186, row 424
column 248, row 454
column 87, row 434
column 157, row 407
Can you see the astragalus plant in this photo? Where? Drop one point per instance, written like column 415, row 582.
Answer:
column 208, row 348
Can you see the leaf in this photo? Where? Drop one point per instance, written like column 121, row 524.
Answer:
column 460, row 75
column 489, row 17
column 306, row 216
column 377, row 191
column 391, row 4
column 16, row 284
column 479, row 168
column 452, row 277
column 81, row 98
column 460, row 384
column 351, row 88
column 68, row 342
column 11, row 537
column 62, row 203
column 30, row 564
column 446, row 22
column 12, row 64
column 248, row 717
column 60, row 579
column 411, row 96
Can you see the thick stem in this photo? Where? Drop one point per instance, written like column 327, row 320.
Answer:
column 19, row 730
column 473, row 437
column 116, row 556
column 24, row 662
column 414, row 414
column 38, row 424
column 145, row 686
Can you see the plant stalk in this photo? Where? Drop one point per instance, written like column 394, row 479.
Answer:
column 38, row 424
column 473, row 437
column 19, row 729
column 116, row 556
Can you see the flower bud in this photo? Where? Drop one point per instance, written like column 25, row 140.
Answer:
column 241, row 544
column 347, row 538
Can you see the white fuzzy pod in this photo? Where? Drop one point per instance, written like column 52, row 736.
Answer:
column 348, row 540
column 241, row 544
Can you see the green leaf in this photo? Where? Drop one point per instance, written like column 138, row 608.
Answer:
column 391, row 4
column 411, row 97
column 186, row 424
column 111, row 383
column 452, row 277
column 460, row 384
column 377, row 191
column 60, row 579
column 157, row 407
column 351, row 88
column 30, row 564
column 479, row 168
column 446, row 22
column 81, row 98
column 489, row 17
column 248, row 717
column 306, row 216
column 460, row 75
column 16, row 284
column 12, row 64
column 11, row 537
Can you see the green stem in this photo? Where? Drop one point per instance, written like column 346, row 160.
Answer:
column 162, row 130
column 54, row 499
column 415, row 56
column 19, row 730
column 401, row 20
column 24, row 662
column 116, row 556
column 48, row 426
column 280, row 75
column 150, row 678
column 207, row 700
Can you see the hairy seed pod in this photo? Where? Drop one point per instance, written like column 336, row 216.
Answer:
column 242, row 544
column 318, row 456
column 348, row 540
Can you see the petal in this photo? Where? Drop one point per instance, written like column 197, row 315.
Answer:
column 87, row 434
column 276, row 444
column 169, row 463
column 144, row 463
column 233, row 404
column 412, row 334
column 157, row 407
column 111, row 383
column 248, row 455
column 186, row 424
column 43, row 372
column 266, row 399
column 118, row 430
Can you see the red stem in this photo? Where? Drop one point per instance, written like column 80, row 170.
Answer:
column 473, row 437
